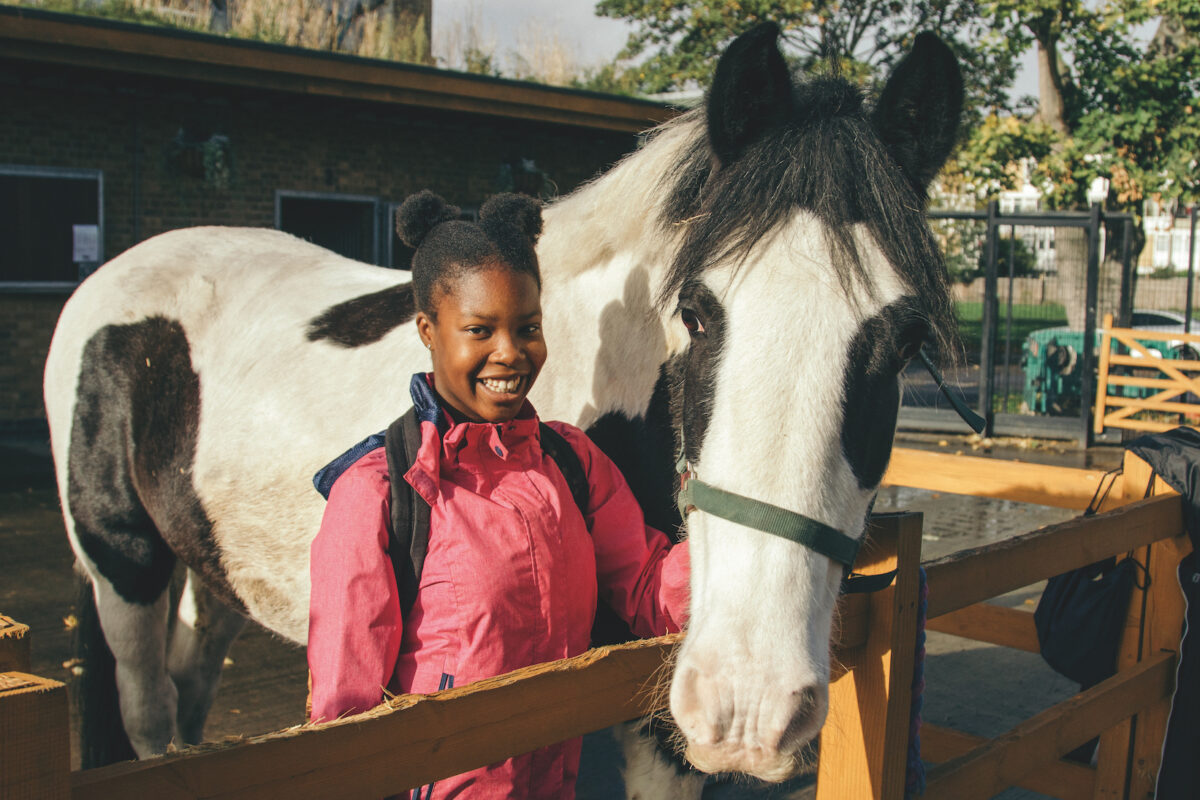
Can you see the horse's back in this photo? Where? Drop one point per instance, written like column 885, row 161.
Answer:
column 202, row 374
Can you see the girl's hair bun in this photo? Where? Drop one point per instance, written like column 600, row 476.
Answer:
column 420, row 214
column 520, row 211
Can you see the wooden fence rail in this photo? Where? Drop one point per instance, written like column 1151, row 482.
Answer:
column 1129, row 710
column 416, row 739
column 419, row 738
column 1060, row 487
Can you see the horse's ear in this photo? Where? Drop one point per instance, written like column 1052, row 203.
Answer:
column 751, row 91
column 918, row 112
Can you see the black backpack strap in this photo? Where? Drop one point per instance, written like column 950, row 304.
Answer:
column 569, row 465
column 409, row 511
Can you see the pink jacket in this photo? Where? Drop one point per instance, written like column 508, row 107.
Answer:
column 510, row 579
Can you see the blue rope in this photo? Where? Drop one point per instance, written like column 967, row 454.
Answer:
column 914, row 780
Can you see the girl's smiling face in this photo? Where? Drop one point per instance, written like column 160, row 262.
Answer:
column 485, row 338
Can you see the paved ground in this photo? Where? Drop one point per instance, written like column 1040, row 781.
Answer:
column 976, row 688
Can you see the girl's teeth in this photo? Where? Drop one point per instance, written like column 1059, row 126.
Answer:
column 503, row 387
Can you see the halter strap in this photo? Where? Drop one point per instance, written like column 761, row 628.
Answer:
column 973, row 420
column 817, row 536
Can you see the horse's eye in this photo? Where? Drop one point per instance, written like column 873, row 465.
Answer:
column 691, row 322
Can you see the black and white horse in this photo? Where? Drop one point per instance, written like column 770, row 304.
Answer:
column 754, row 279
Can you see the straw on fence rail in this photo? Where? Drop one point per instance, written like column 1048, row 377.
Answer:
column 14, row 645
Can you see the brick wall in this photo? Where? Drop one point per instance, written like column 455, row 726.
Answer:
column 125, row 126
column 26, row 325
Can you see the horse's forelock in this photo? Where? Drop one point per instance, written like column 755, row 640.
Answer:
column 827, row 160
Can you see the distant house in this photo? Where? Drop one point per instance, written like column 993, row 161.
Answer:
column 112, row 133
column 1168, row 238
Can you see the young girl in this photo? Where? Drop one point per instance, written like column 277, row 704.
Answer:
column 513, row 567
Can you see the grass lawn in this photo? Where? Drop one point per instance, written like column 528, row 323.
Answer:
column 1025, row 319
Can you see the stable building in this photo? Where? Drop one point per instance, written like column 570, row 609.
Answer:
column 111, row 133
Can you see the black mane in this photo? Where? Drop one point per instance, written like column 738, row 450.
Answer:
column 825, row 158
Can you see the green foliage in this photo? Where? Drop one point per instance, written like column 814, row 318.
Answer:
column 997, row 155
column 121, row 10
column 608, row 78
column 961, row 242
column 481, row 62
column 1023, row 259
column 379, row 32
column 1139, row 107
column 1129, row 110
column 675, row 43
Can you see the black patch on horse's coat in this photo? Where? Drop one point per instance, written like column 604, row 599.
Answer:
column 365, row 319
column 871, row 389
column 643, row 448
column 821, row 152
column 129, row 469
column 661, row 727
column 697, row 372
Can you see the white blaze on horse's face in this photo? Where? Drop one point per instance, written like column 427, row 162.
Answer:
column 806, row 277
column 751, row 683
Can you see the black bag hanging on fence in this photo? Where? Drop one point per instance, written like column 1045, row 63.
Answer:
column 1081, row 614
column 1080, row 618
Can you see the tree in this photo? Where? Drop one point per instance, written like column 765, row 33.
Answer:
column 1024, row 262
column 1109, row 108
column 397, row 30
column 678, row 41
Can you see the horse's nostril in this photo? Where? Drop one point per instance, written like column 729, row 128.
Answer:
column 804, row 722
column 808, row 700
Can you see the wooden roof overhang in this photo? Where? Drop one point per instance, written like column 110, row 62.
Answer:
column 88, row 42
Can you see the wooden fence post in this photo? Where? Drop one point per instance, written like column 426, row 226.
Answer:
column 35, row 726
column 1162, row 626
column 864, row 743
column 1129, row 753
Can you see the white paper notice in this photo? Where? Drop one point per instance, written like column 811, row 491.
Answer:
column 87, row 243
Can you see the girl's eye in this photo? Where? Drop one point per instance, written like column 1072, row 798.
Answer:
column 531, row 330
column 691, row 322
column 476, row 330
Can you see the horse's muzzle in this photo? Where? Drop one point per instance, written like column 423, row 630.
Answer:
column 761, row 736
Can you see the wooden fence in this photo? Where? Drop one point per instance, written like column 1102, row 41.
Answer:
column 415, row 739
column 1173, row 379
column 1129, row 710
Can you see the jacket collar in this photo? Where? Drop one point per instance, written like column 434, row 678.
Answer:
column 451, row 437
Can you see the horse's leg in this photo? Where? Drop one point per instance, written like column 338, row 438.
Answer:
column 136, row 634
column 649, row 773
column 204, row 629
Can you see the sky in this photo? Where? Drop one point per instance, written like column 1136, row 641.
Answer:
column 594, row 40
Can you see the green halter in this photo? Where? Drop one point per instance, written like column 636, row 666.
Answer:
column 817, row 536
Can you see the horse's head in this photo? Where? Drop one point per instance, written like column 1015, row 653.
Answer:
column 806, row 278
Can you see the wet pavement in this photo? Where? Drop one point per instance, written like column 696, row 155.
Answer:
column 973, row 687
